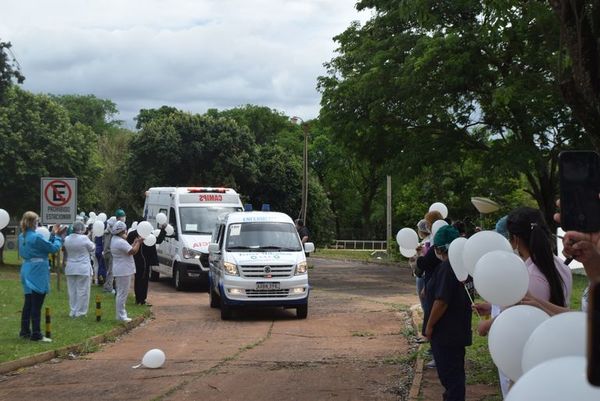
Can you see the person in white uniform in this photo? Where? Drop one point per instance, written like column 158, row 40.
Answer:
column 78, row 269
column 123, row 266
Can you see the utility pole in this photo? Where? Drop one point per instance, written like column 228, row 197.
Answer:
column 389, row 213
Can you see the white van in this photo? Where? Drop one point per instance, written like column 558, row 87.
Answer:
column 257, row 259
column 193, row 213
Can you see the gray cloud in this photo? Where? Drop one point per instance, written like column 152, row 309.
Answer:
column 189, row 54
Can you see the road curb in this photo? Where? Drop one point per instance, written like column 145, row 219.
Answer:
column 415, row 388
column 25, row 362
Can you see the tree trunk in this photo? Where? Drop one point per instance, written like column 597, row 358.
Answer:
column 581, row 88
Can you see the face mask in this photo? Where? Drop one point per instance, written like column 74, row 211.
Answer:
column 516, row 252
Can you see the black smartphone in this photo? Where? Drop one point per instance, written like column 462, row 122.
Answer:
column 593, row 335
column 579, row 189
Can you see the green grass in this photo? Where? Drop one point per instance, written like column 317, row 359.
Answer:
column 344, row 254
column 11, row 258
column 65, row 331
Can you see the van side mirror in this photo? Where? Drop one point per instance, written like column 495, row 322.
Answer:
column 213, row 247
column 309, row 247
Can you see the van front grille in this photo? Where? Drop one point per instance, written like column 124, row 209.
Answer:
column 267, row 293
column 269, row 271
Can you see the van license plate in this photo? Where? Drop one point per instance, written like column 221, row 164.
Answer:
column 267, row 286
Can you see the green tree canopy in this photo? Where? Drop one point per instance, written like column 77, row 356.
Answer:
column 9, row 69
column 37, row 140
column 428, row 80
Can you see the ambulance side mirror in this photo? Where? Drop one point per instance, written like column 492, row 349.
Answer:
column 213, row 247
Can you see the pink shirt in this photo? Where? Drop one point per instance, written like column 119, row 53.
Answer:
column 538, row 285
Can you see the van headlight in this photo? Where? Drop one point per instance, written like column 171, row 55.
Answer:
column 230, row 268
column 190, row 253
column 301, row 268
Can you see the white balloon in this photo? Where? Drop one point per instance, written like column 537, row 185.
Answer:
column 156, row 232
column 44, row 232
column 150, row 240
column 4, row 218
column 161, row 218
column 134, row 225
column 1, row 240
column 436, row 226
column 101, row 217
column 555, row 380
column 408, row 253
column 98, row 228
column 440, row 207
column 455, row 254
column 169, row 230
column 92, row 215
column 144, row 229
column 561, row 335
column 407, row 238
column 501, row 278
column 481, row 243
column 509, row 333
column 154, row 358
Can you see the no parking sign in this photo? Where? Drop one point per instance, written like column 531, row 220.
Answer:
column 59, row 200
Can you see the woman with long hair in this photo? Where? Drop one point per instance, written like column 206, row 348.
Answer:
column 549, row 278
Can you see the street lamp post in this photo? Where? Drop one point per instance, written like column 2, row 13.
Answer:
column 304, row 205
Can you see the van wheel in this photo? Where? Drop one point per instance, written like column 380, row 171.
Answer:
column 177, row 280
column 226, row 312
column 213, row 297
column 154, row 276
column 302, row 311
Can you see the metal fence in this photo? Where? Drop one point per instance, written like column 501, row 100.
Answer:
column 359, row 245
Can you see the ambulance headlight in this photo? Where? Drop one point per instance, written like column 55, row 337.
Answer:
column 190, row 253
column 301, row 268
column 230, row 268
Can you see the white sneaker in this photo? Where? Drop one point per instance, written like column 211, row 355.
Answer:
column 126, row 320
column 46, row 340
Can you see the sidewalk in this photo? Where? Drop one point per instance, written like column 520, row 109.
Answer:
column 426, row 385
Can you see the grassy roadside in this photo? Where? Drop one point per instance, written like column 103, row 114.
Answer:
column 65, row 331
column 363, row 256
column 480, row 367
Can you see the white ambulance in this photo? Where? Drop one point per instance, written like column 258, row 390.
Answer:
column 257, row 259
column 193, row 212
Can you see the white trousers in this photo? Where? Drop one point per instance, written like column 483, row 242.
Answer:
column 122, row 283
column 79, row 294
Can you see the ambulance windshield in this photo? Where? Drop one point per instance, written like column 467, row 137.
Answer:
column 202, row 220
column 263, row 236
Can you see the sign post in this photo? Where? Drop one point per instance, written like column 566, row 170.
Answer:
column 59, row 206
column 59, row 200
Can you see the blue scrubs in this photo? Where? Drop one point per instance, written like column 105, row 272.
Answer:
column 35, row 278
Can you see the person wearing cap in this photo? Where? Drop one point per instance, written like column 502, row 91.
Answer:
column 79, row 249
column 109, row 279
column 448, row 323
column 123, row 266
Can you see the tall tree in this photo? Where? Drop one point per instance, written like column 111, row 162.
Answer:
column 98, row 114
column 9, row 69
column 430, row 79
column 580, row 80
column 37, row 140
column 186, row 149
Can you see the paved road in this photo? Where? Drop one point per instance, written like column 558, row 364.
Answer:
column 351, row 347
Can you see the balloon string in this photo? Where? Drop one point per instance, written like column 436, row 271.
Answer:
column 471, row 299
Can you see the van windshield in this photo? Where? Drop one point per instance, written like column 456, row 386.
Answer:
column 202, row 220
column 263, row 237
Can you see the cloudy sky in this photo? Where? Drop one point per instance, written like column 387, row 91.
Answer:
column 191, row 54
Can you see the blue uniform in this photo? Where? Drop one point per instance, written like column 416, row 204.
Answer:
column 35, row 278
